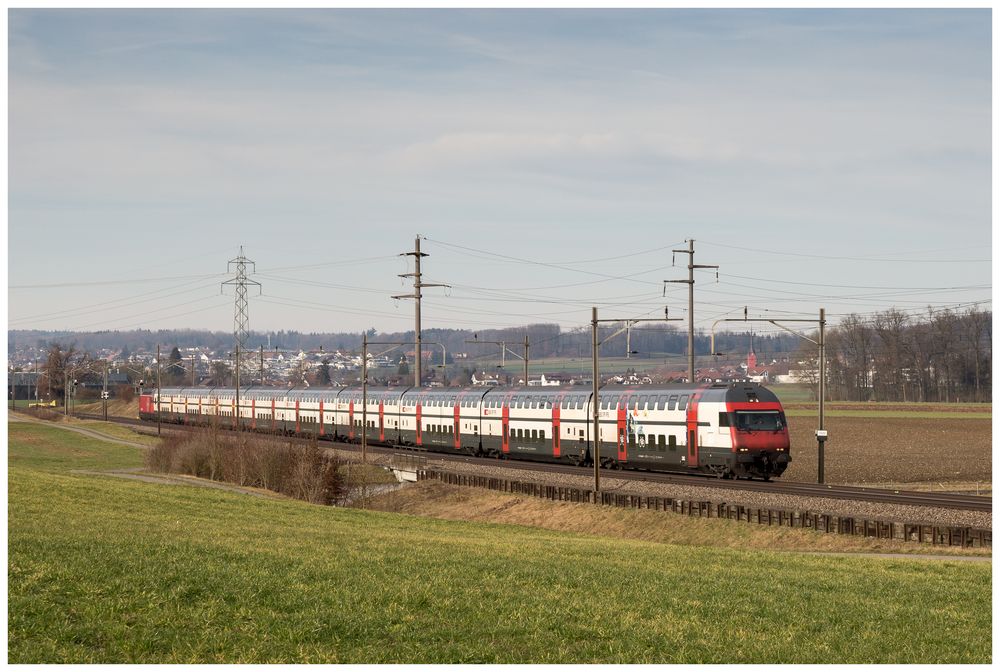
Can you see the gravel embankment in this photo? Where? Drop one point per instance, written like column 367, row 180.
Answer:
column 837, row 507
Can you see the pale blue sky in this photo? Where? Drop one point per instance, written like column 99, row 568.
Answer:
column 150, row 144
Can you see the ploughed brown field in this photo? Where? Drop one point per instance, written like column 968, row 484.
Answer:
column 890, row 406
column 893, row 450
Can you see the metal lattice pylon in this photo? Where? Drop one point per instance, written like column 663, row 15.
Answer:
column 241, row 313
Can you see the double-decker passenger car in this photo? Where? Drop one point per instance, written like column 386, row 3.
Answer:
column 732, row 430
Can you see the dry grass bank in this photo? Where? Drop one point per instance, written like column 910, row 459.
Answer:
column 437, row 500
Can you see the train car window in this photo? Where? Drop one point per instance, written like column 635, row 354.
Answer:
column 682, row 404
column 541, row 434
column 642, row 402
column 673, row 402
column 723, row 419
column 661, row 402
column 673, row 442
column 534, row 434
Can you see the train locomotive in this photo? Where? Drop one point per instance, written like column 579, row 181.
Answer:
column 731, row 430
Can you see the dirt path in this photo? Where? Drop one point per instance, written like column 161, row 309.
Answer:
column 92, row 433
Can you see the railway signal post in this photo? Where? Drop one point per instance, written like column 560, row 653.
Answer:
column 504, row 350
column 821, row 433
column 364, row 381
column 597, row 405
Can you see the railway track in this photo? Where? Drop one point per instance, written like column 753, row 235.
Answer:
column 878, row 495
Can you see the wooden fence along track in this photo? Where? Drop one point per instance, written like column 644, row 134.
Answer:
column 938, row 535
column 879, row 495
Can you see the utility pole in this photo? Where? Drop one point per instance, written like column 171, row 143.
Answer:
column 104, row 394
column 526, row 359
column 597, row 403
column 416, row 296
column 364, row 398
column 596, row 457
column 821, row 432
column 158, row 428
column 690, row 283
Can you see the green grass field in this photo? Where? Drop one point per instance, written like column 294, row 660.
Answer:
column 106, row 570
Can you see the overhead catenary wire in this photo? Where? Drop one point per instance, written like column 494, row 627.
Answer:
column 545, row 264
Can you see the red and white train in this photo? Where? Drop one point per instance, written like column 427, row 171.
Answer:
column 729, row 430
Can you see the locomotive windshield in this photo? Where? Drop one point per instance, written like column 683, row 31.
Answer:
column 763, row 421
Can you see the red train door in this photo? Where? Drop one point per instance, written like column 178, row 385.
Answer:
column 555, row 428
column 272, row 415
column 185, row 410
column 505, row 427
column 253, row 413
column 322, row 431
column 350, row 420
column 692, row 430
column 420, row 439
column 296, row 416
column 381, row 421
column 458, row 426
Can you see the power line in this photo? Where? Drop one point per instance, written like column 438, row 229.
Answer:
column 845, row 258
column 819, row 284
column 130, row 281
column 124, row 302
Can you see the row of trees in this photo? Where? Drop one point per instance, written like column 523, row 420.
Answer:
column 943, row 355
column 545, row 340
column 892, row 356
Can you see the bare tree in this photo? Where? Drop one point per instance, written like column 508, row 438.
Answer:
column 890, row 326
